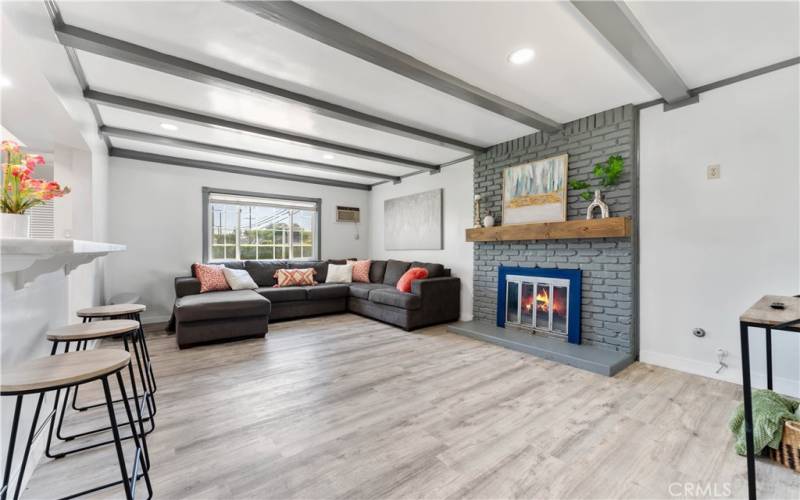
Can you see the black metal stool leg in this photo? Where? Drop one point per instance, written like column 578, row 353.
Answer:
column 147, row 391
column 10, row 452
column 139, row 445
column 152, row 375
column 75, row 392
column 769, row 358
column 29, row 443
column 117, row 442
column 748, row 412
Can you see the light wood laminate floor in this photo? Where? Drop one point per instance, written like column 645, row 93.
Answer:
column 345, row 407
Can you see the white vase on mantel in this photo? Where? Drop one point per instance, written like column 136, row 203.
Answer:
column 15, row 225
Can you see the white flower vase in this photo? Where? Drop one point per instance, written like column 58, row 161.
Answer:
column 488, row 221
column 14, row 225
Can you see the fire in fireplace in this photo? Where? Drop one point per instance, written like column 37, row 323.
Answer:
column 540, row 300
column 537, row 303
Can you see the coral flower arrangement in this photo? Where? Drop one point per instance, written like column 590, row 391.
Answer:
column 20, row 190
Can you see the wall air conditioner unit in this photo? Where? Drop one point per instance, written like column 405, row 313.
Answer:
column 348, row 214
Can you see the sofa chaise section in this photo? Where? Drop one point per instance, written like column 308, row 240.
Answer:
column 213, row 316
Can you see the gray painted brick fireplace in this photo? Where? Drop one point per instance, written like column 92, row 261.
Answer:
column 607, row 264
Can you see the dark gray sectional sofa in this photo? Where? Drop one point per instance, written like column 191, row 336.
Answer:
column 213, row 316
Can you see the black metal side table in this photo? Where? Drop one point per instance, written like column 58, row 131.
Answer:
column 762, row 315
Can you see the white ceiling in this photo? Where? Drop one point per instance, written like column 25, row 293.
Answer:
column 29, row 95
column 575, row 72
column 572, row 76
column 708, row 41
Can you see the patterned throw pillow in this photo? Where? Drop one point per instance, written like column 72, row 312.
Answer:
column 415, row 273
column 294, row 277
column 212, row 278
column 360, row 270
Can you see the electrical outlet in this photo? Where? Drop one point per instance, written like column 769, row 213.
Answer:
column 713, row 172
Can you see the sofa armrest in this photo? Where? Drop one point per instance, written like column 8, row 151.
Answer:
column 186, row 285
column 435, row 286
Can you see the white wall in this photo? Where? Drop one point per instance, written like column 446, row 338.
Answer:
column 456, row 180
column 156, row 210
column 711, row 248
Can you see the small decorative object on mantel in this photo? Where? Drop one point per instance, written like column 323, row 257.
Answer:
column 20, row 191
column 476, row 211
column 488, row 221
column 597, row 203
column 609, row 174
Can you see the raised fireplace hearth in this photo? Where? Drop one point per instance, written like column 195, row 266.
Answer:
column 543, row 301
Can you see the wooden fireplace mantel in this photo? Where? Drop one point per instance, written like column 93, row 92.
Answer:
column 612, row 227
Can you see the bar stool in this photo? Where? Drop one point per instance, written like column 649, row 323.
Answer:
column 41, row 375
column 120, row 311
column 83, row 333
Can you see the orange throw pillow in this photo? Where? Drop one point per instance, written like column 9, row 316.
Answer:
column 415, row 273
column 360, row 270
column 211, row 278
column 294, row 277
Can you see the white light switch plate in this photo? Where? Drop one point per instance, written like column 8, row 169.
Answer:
column 713, row 171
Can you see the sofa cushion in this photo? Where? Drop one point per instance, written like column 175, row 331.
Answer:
column 263, row 271
column 394, row 270
column 376, row 271
column 287, row 294
column 230, row 264
column 212, row 278
column 221, row 305
column 361, row 290
column 295, row 277
column 395, row 298
column 239, row 279
column 327, row 291
column 434, row 270
column 413, row 273
column 320, row 266
column 360, row 270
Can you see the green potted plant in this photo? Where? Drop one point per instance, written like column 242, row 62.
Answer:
column 609, row 174
column 20, row 191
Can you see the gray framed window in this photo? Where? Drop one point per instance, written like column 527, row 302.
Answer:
column 242, row 225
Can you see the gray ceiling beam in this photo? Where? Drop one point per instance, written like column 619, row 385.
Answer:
column 303, row 20
column 232, row 169
column 617, row 24
column 216, row 148
column 96, row 43
column 217, row 122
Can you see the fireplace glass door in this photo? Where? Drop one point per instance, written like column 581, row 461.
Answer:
column 512, row 302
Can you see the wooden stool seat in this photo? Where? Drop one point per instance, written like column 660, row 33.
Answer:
column 110, row 310
column 93, row 330
column 62, row 370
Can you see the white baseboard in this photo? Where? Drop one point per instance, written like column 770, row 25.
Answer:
column 782, row 385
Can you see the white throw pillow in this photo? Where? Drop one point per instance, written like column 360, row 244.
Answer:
column 239, row 279
column 340, row 273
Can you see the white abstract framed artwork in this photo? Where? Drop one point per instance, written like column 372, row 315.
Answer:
column 536, row 191
column 413, row 222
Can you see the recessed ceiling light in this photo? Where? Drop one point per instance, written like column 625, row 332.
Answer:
column 521, row 56
column 328, row 156
column 169, row 126
column 4, row 82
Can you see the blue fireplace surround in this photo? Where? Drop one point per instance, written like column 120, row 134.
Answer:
column 574, row 277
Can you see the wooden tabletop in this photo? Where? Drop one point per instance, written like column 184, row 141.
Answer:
column 110, row 310
column 761, row 313
column 61, row 370
column 93, row 330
